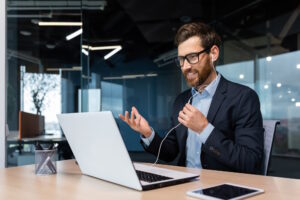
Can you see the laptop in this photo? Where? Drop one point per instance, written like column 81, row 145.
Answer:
column 99, row 149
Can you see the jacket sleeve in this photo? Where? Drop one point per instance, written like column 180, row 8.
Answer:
column 245, row 152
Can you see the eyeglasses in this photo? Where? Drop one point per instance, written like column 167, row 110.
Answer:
column 192, row 58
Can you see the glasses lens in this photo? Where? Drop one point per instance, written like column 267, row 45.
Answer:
column 193, row 58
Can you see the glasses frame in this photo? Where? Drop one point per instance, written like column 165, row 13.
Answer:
column 177, row 60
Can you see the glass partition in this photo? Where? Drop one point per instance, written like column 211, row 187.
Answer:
column 277, row 85
column 44, row 69
column 279, row 92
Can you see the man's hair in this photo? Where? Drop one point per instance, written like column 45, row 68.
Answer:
column 207, row 34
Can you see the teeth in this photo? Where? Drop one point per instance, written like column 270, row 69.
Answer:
column 191, row 75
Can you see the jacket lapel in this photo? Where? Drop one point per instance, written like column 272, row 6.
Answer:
column 217, row 99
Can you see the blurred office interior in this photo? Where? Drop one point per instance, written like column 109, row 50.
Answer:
column 94, row 55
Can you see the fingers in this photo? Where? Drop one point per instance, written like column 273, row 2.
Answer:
column 186, row 114
column 134, row 118
column 182, row 121
column 186, row 111
column 125, row 118
column 122, row 117
column 182, row 115
column 138, row 121
column 136, row 113
column 135, row 110
column 183, row 118
column 189, row 107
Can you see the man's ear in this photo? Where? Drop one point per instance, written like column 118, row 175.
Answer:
column 214, row 53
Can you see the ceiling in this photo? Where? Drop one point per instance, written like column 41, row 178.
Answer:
column 145, row 27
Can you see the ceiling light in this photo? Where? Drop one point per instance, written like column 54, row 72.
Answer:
column 100, row 47
column 266, row 86
column 293, row 99
column 278, row 85
column 34, row 21
column 25, row 33
column 50, row 46
column 60, row 23
column 73, row 35
column 298, row 66
column 85, row 52
column 102, row 8
column 112, row 78
column 242, row 76
column 289, row 91
column 297, row 104
column 151, row 75
column 130, row 76
column 133, row 76
column 113, row 52
column 115, row 49
column 269, row 58
column 63, row 69
column 104, row 47
column 86, row 77
column 280, row 96
column 79, row 68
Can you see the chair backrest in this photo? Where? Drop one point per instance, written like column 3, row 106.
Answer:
column 270, row 128
column 30, row 125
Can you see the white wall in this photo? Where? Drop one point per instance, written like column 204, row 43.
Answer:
column 2, row 82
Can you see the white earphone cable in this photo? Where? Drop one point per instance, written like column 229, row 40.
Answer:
column 199, row 90
column 189, row 101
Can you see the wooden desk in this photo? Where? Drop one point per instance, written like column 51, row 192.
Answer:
column 22, row 183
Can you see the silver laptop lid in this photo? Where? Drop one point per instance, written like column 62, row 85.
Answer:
column 99, row 148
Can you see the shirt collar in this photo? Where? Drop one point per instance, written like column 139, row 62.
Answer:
column 211, row 88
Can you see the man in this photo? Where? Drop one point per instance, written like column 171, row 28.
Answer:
column 221, row 128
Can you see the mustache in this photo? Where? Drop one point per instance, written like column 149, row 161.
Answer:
column 189, row 71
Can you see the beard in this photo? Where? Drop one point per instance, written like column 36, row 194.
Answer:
column 197, row 76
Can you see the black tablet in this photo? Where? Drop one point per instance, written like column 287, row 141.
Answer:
column 225, row 191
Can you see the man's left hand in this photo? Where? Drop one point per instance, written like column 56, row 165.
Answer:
column 192, row 118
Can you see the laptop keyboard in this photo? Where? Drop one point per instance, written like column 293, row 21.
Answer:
column 149, row 177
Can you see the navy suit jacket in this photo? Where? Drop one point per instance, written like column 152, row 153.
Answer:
column 235, row 144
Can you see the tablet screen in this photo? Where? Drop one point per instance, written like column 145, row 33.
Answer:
column 225, row 191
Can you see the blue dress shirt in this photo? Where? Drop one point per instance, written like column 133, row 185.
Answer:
column 195, row 140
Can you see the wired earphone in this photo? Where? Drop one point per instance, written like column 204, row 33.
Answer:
column 199, row 91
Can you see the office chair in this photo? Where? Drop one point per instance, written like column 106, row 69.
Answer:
column 270, row 128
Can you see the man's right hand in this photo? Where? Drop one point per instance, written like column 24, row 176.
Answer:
column 137, row 122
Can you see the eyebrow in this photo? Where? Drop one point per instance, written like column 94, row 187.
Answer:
column 187, row 54
column 190, row 53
